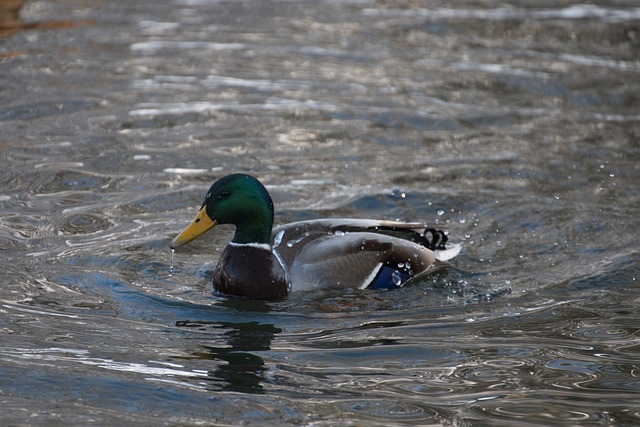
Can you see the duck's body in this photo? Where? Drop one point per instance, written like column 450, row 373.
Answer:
column 267, row 263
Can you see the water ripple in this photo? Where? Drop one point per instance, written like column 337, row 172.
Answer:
column 571, row 12
column 85, row 223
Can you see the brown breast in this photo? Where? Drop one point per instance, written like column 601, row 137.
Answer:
column 251, row 271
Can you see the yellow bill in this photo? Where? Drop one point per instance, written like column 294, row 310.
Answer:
column 200, row 224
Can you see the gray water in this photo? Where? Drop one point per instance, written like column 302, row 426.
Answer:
column 515, row 126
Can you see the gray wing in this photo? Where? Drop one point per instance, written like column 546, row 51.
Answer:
column 292, row 233
column 348, row 260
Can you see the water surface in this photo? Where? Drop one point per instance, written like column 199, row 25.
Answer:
column 515, row 127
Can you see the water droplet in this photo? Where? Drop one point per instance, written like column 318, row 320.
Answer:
column 462, row 220
column 440, row 212
column 401, row 265
column 397, row 280
column 555, row 196
column 289, row 244
column 173, row 251
column 339, row 233
column 402, row 195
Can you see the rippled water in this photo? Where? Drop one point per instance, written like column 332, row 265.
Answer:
column 515, row 126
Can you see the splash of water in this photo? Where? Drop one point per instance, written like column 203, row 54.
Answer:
column 173, row 251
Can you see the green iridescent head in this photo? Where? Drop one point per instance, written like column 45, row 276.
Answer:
column 236, row 199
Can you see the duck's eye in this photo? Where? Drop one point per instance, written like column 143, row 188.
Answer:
column 223, row 194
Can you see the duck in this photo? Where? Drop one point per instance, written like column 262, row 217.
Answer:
column 266, row 262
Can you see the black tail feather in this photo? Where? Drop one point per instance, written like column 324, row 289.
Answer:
column 438, row 239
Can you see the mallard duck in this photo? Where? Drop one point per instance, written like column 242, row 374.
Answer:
column 263, row 262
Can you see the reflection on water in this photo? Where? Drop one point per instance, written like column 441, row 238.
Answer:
column 11, row 23
column 514, row 127
column 236, row 351
column 244, row 370
column 9, row 17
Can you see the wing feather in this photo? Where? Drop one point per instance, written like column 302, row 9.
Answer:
column 350, row 260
